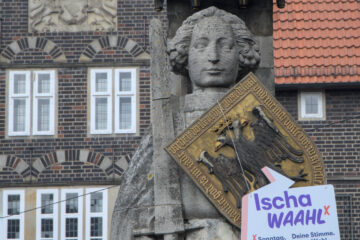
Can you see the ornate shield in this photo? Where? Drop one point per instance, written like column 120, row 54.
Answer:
column 224, row 150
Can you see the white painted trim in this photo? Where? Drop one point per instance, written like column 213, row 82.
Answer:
column 12, row 97
column 78, row 215
column 50, row 96
column 3, row 227
column 320, row 115
column 54, row 215
column 103, row 214
column 107, row 95
column 119, row 94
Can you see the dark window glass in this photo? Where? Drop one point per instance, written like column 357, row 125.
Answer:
column 47, row 201
column 47, row 228
column 125, row 81
column 13, row 204
column 71, row 227
column 96, row 227
column 71, row 203
column 125, row 112
column 311, row 105
column 13, row 229
column 96, row 202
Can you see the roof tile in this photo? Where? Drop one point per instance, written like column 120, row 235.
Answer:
column 317, row 41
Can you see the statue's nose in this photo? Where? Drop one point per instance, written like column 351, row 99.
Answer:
column 213, row 55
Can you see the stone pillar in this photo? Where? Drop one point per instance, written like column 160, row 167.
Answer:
column 167, row 196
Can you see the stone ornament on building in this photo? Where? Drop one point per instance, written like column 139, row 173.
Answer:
column 72, row 16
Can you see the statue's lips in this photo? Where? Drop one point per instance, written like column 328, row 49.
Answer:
column 214, row 71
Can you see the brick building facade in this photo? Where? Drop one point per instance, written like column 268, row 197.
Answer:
column 73, row 107
column 338, row 140
column 317, row 76
column 76, row 159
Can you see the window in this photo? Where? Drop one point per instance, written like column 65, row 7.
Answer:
column 312, row 106
column 31, row 90
column 96, row 214
column 71, row 214
column 47, row 214
column 113, row 101
column 13, row 206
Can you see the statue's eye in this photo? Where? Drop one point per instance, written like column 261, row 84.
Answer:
column 225, row 44
column 201, row 43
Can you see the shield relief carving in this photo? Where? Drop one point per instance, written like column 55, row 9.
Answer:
column 224, row 150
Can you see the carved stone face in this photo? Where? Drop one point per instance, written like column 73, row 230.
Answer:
column 213, row 54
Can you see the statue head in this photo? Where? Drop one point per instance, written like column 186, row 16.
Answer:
column 212, row 47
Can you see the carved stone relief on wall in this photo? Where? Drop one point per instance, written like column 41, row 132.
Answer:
column 72, row 15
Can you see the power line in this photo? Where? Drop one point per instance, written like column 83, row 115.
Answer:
column 82, row 195
column 333, row 123
column 51, row 204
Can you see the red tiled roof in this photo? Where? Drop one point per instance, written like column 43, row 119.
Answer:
column 317, row 41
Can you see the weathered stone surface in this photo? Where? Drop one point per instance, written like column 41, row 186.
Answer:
column 212, row 71
column 213, row 46
column 168, row 210
column 213, row 229
column 134, row 207
column 196, row 205
column 72, row 16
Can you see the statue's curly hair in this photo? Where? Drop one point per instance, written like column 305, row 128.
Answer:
column 178, row 47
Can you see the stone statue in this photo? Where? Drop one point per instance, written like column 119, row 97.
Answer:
column 214, row 49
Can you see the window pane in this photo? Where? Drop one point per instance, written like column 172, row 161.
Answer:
column 47, row 201
column 44, row 83
column 100, row 82
column 101, row 113
column 71, row 227
column 96, row 227
column 96, row 202
column 43, row 114
column 71, row 203
column 13, row 204
column 125, row 112
column 13, row 229
column 47, row 228
column 125, row 81
column 19, row 83
column 311, row 104
column 19, row 115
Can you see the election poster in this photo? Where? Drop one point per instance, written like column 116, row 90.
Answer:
column 277, row 212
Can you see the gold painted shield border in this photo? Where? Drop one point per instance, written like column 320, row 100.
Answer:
column 248, row 85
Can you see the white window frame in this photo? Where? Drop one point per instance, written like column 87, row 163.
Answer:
column 54, row 215
column 119, row 94
column 3, row 226
column 320, row 115
column 31, row 96
column 107, row 94
column 12, row 97
column 103, row 214
column 78, row 215
column 113, row 94
column 50, row 96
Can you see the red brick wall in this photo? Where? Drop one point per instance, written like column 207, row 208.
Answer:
column 338, row 140
column 72, row 97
